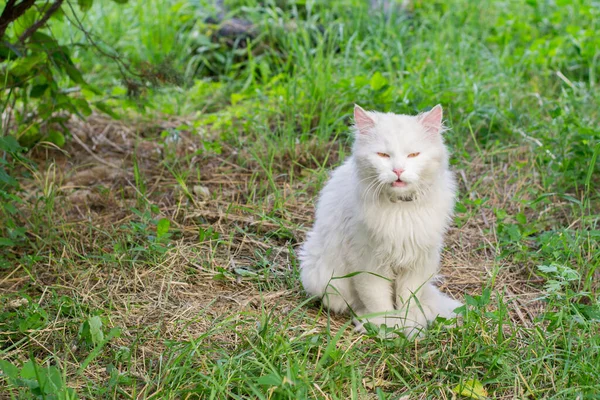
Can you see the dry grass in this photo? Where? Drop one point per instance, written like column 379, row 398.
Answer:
column 180, row 297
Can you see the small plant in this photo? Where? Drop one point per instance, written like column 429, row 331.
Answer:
column 38, row 382
column 11, row 232
column 515, row 235
column 567, row 304
column 147, row 235
column 20, row 316
column 91, row 332
column 207, row 234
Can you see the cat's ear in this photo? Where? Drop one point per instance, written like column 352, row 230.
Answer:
column 364, row 122
column 432, row 119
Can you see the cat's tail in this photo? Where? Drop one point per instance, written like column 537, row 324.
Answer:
column 317, row 280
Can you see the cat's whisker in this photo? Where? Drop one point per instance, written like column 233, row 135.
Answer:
column 376, row 191
column 371, row 186
column 370, row 177
column 381, row 187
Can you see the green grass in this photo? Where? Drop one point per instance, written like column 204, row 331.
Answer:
column 105, row 299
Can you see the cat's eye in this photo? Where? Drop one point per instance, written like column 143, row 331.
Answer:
column 384, row 155
column 412, row 155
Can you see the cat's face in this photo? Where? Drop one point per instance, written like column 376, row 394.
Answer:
column 399, row 156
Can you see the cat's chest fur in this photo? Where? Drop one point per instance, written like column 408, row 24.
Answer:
column 405, row 234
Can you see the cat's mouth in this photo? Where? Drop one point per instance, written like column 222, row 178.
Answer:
column 398, row 183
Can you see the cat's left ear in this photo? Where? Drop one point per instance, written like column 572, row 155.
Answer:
column 432, row 119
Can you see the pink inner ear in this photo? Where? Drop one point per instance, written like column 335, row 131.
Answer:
column 364, row 123
column 432, row 120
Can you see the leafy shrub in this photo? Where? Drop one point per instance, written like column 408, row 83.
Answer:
column 41, row 86
column 10, row 155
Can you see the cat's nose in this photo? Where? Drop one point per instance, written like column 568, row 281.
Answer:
column 398, row 171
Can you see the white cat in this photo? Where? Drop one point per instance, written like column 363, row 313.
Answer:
column 380, row 221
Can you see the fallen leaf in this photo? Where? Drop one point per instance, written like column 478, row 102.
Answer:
column 472, row 389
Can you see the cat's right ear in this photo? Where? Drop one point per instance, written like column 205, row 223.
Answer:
column 364, row 123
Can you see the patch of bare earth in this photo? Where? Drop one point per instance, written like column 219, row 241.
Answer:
column 201, row 282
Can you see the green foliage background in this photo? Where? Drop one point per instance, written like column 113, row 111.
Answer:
column 519, row 82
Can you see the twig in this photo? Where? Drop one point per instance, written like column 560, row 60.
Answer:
column 31, row 30
column 12, row 12
column 123, row 66
column 91, row 153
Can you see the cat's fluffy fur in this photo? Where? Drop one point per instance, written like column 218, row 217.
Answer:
column 376, row 241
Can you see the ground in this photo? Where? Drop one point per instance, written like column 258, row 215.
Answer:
column 161, row 257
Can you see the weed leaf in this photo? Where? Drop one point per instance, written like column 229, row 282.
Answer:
column 162, row 228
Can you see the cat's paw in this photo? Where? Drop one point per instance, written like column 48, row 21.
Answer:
column 447, row 311
column 444, row 308
column 434, row 303
column 359, row 327
column 415, row 321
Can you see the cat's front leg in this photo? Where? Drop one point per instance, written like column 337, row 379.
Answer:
column 376, row 296
column 419, row 301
